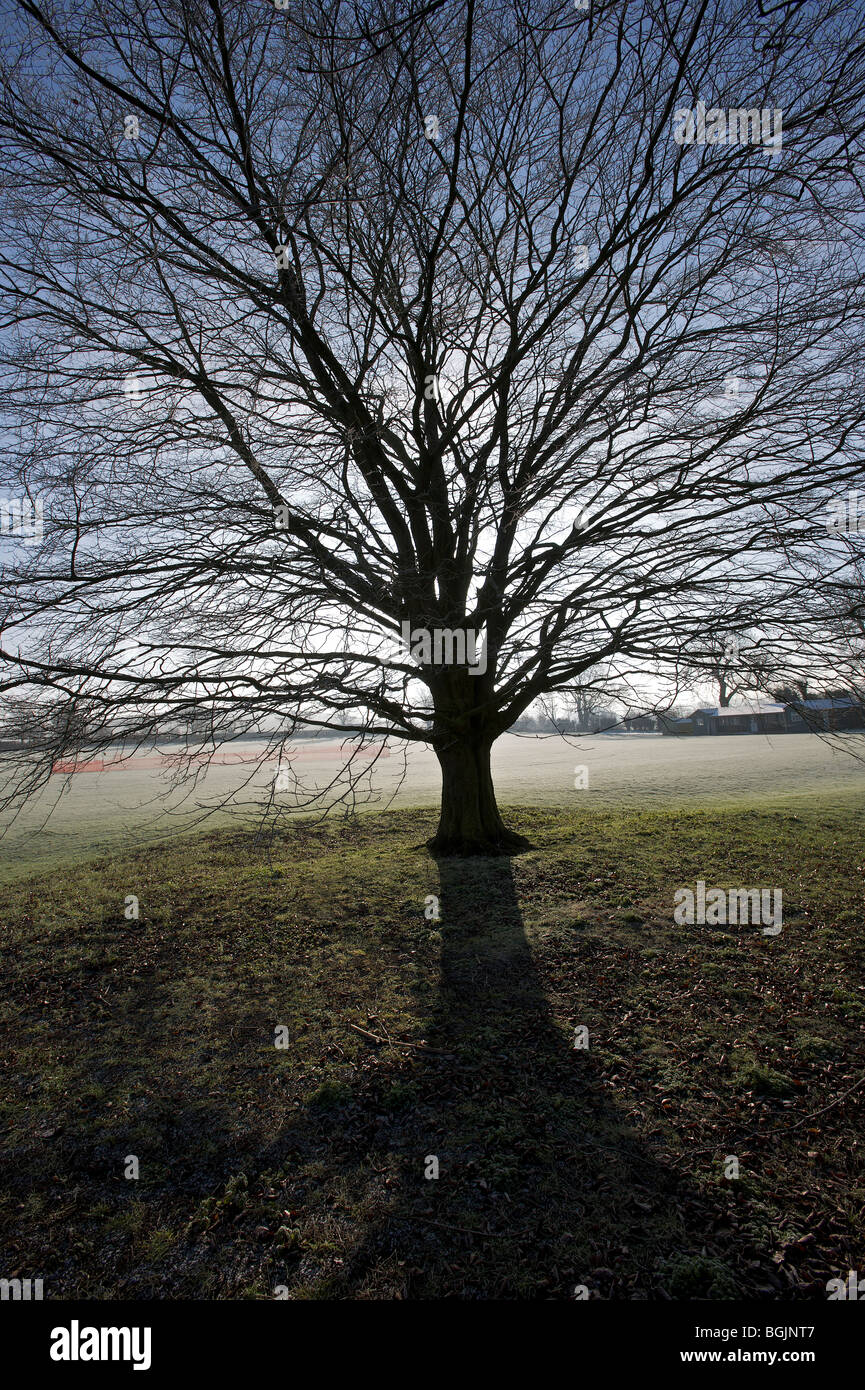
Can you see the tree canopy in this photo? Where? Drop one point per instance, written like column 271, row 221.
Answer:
column 324, row 323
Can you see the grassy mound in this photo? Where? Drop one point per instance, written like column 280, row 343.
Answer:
column 416, row 1044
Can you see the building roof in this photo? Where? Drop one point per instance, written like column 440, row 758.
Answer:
column 740, row 711
column 843, row 703
column 743, row 711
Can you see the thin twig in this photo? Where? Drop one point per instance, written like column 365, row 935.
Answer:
column 398, row 1042
column 467, row 1230
column 780, row 1129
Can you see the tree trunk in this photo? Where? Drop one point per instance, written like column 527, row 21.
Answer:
column 470, row 823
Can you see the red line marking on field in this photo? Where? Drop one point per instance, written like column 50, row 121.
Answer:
column 221, row 757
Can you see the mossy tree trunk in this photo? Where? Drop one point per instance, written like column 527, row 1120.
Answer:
column 470, row 822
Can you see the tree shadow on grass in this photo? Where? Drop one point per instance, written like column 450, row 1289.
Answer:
column 542, row 1184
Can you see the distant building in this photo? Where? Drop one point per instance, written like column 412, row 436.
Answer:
column 770, row 717
column 826, row 715
column 639, row 724
column 756, row 717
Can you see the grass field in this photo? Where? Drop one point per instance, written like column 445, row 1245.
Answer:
column 300, row 1171
column 89, row 812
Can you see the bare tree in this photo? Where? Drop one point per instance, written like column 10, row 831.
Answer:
column 724, row 660
column 323, row 328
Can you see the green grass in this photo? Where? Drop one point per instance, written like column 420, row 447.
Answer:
column 303, row 1167
column 76, row 817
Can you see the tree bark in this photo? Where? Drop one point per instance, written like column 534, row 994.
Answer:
column 470, row 823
